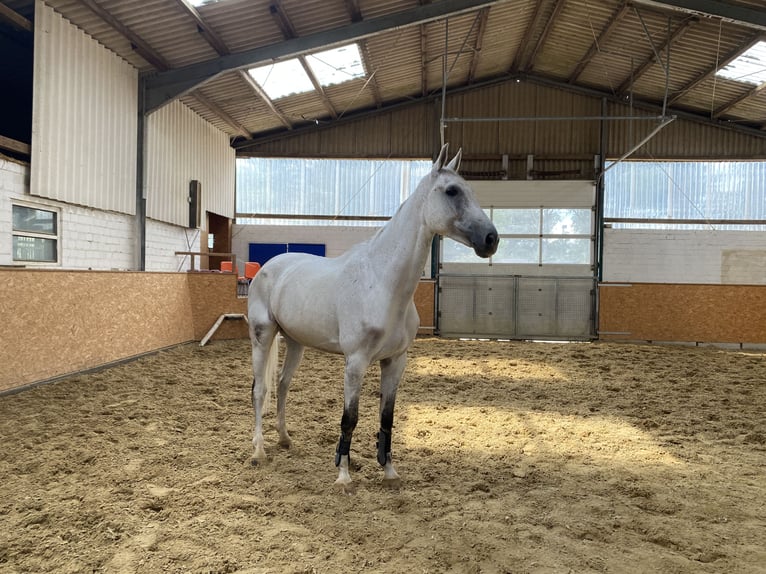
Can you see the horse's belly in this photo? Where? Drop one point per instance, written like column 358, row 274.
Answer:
column 308, row 316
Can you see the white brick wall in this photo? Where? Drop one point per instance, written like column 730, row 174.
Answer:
column 14, row 182
column 711, row 257
column 94, row 239
column 91, row 238
column 163, row 240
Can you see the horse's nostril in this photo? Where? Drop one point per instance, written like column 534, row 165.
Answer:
column 491, row 239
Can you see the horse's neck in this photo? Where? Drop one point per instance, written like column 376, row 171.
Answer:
column 402, row 247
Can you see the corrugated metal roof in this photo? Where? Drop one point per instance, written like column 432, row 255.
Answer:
column 549, row 39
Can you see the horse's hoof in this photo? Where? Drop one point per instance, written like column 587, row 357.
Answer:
column 392, row 483
column 286, row 443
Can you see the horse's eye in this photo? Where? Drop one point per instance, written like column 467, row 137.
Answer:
column 452, row 190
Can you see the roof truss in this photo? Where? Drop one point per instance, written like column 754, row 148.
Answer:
column 162, row 87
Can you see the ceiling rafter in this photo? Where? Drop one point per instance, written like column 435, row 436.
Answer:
column 544, row 35
column 423, row 60
column 217, row 43
column 614, row 20
column 639, row 71
column 353, row 9
column 266, row 99
column 710, row 71
column 141, row 47
column 751, row 93
column 483, row 18
column 217, row 110
column 423, row 54
column 355, row 13
column 288, row 31
column 527, row 39
column 372, row 80
column 160, row 88
column 14, row 18
column 203, row 28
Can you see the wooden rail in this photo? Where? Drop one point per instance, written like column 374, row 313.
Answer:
column 208, row 254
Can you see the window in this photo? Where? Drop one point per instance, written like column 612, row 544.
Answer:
column 339, row 192
column 539, row 236
column 35, row 234
column 749, row 67
column 329, row 67
column 726, row 195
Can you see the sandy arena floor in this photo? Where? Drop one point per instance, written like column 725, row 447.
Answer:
column 515, row 457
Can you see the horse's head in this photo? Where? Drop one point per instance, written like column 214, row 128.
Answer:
column 452, row 208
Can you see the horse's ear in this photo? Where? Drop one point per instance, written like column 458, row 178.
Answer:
column 454, row 165
column 439, row 163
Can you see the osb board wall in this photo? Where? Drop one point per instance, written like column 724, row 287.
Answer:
column 59, row 322
column 213, row 294
column 683, row 313
column 424, row 302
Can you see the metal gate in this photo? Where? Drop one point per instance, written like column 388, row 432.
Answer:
column 516, row 307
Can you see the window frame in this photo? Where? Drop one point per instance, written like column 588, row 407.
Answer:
column 55, row 236
column 539, row 237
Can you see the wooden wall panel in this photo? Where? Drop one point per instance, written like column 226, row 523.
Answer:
column 684, row 313
column 213, row 294
column 61, row 322
column 424, row 302
column 58, row 322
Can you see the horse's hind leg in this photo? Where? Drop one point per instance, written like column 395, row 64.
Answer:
column 261, row 339
column 391, row 371
column 293, row 356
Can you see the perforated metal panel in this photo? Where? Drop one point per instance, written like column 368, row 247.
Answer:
column 516, row 307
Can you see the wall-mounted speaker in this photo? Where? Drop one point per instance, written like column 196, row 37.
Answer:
column 195, row 203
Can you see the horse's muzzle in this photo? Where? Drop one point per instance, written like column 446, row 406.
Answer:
column 487, row 246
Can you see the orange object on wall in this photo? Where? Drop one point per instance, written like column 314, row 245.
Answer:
column 251, row 268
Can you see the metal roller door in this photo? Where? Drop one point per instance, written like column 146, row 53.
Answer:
column 516, row 307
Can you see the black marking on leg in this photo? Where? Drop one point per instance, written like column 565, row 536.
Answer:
column 347, row 426
column 384, row 434
column 344, row 448
column 384, row 447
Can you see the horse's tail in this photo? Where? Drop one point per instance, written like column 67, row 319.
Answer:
column 270, row 373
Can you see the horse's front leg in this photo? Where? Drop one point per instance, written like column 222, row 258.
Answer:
column 391, row 371
column 352, row 385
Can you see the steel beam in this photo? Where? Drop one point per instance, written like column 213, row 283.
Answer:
column 164, row 87
column 742, row 15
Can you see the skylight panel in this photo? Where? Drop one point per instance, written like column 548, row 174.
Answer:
column 289, row 77
column 282, row 79
column 337, row 65
column 749, row 68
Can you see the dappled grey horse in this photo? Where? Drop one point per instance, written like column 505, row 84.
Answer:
column 359, row 305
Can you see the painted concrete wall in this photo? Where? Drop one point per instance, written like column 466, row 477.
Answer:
column 706, row 257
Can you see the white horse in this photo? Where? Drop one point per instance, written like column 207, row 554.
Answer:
column 360, row 305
